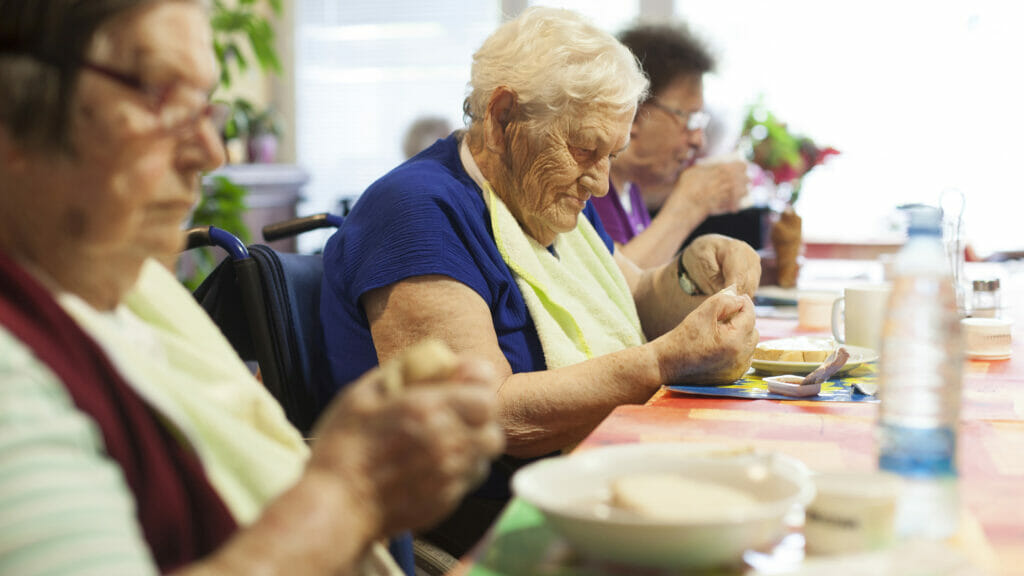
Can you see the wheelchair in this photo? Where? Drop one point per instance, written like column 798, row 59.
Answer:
column 267, row 304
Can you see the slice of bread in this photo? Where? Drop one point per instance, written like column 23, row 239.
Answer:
column 791, row 356
column 667, row 496
column 802, row 349
column 816, row 355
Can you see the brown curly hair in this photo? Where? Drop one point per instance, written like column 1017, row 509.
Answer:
column 667, row 52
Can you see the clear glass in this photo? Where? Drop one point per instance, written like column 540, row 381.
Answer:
column 953, row 202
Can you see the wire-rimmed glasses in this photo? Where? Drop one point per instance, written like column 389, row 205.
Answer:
column 691, row 121
column 176, row 107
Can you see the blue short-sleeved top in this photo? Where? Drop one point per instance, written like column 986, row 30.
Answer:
column 426, row 216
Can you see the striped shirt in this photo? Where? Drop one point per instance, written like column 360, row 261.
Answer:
column 65, row 506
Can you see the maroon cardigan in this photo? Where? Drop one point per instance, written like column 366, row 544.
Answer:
column 182, row 517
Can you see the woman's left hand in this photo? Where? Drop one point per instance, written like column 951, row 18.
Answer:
column 714, row 261
column 713, row 345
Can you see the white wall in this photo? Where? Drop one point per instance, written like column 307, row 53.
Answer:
column 919, row 96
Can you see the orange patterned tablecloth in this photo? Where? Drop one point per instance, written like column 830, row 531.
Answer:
column 837, row 435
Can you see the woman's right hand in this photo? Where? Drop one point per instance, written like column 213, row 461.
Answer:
column 406, row 458
column 716, row 187
column 713, row 345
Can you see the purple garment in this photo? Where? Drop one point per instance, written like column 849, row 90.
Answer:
column 622, row 226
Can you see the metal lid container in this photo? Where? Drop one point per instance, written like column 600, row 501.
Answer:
column 986, row 285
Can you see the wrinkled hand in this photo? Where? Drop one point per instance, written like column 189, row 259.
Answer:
column 714, row 188
column 407, row 457
column 714, row 261
column 713, row 345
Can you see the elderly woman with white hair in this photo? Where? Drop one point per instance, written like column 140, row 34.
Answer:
column 486, row 240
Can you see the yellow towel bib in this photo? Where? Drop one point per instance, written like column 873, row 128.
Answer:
column 174, row 357
column 170, row 352
column 579, row 300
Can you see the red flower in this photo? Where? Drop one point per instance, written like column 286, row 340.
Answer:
column 784, row 156
column 813, row 155
column 785, row 173
column 823, row 155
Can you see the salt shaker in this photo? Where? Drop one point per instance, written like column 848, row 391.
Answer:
column 985, row 301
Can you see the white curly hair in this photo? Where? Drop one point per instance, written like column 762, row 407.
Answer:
column 554, row 60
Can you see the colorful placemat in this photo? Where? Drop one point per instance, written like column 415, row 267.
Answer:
column 752, row 386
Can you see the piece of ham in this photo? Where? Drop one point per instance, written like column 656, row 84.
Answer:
column 836, row 360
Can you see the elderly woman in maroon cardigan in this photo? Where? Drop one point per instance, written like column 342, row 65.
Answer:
column 124, row 449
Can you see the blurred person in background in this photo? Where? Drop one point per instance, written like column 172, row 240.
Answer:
column 133, row 440
column 658, row 171
column 423, row 132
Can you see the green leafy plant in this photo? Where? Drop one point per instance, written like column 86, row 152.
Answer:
column 266, row 121
column 785, row 156
column 240, row 28
column 244, row 23
column 246, row 121
column 222, row 206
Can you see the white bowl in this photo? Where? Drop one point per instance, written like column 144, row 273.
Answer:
column 574, row 493
column 988, row 338
column 852, row 512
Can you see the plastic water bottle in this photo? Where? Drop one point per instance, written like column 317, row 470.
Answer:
column 920, row 376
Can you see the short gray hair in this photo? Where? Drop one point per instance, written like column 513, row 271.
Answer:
column 42, row 44
column 554, row 60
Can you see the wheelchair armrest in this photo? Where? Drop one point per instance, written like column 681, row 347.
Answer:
column 212, row 236
column 296, row 226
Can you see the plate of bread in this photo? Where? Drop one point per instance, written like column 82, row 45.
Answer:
column 802, row 354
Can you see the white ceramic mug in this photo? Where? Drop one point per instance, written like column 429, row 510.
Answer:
column 861, row 315
column 814, row 309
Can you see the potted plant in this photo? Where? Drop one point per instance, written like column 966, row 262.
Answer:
column 242, row 29
column 264, row 128
column 784, row 158
column 251, row 135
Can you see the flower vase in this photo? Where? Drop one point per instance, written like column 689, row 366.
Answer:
column 787, row 242
column 262, row 149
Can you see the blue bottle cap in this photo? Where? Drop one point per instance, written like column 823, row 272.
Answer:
column 923, row 220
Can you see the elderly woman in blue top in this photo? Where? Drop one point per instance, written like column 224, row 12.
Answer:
column 486, row 240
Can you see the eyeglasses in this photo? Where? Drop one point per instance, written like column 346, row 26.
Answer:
column 692, row 121
column 177, row 108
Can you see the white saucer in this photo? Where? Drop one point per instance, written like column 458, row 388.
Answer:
column 983, row 356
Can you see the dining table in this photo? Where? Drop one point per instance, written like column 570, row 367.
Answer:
column 827, row 436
